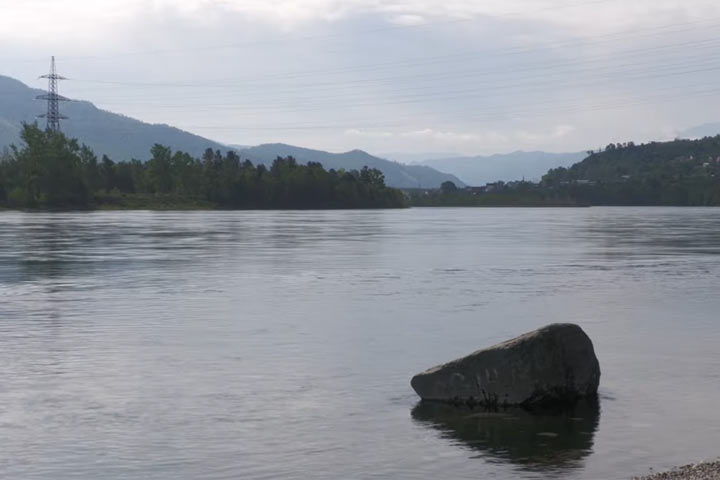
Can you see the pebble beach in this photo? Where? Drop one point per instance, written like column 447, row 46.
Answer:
column 698, row 471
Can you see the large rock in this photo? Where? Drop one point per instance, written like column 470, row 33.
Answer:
column 555, row 364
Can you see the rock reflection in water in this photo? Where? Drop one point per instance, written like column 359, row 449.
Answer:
column 544, row 440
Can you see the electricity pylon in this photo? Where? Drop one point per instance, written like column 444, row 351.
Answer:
column 53, row 99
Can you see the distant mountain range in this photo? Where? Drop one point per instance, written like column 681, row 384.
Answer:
column 700, row 131
column 481, row 170
column 124, row 138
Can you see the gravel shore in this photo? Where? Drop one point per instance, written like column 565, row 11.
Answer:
column 699, row 471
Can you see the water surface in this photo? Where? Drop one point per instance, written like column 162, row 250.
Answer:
column 258, row 345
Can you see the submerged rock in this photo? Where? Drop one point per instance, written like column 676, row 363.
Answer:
column 555, row 364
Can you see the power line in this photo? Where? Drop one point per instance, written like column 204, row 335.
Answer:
column 433, row 60
column 477, row 91
column 575, row 104
column 456, row 80
column 588, row 107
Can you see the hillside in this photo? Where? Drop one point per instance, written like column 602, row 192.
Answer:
column 118, row 136
column 124, row 138
column 681, row 172
column 480, row 170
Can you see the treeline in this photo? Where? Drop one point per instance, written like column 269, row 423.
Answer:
column 499, row 194
column 681, row 172
column 52, row 171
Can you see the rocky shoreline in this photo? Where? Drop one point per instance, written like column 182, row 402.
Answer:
column 698, row 471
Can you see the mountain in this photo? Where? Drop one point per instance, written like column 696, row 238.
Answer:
column 416, row 158
column 117, row 136
column 124, row 138
column 480, row 170
column 700, row 131
column 396, row 174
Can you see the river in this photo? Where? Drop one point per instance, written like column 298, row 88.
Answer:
column 263, row 345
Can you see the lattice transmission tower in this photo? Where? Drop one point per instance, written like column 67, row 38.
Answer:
column 53, row 99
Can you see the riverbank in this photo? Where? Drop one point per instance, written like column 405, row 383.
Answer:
column 698, row 471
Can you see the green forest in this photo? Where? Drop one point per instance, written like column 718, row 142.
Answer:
column 51, row 171
column 499, row 194
column 681, row 172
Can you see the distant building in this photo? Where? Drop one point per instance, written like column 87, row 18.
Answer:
column 492, row 187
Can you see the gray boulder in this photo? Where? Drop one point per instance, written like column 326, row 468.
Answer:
column 555, row 364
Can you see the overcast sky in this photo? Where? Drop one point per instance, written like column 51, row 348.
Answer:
column 413, row 76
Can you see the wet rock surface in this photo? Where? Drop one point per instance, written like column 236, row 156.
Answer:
column 552, row 365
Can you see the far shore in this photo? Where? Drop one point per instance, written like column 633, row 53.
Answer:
column 204, row 206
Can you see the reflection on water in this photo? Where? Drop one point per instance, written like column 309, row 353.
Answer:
column 666, row 232
column 541, row 441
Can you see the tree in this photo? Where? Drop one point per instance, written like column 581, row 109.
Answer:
column 50, row 170
column 159, row 169
column 90, row 167
column 448, row 187
column 107, row 173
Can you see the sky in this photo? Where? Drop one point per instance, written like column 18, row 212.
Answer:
column 422, row 77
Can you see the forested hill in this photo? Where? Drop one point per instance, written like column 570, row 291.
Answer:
column 681, row 172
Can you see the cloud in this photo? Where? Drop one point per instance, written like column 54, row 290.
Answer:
column 557, row 133
column 450, row 137
column 588, row 15
column 488, row 141
column 355, row 132
column 388, row 75
column 44, row 16
column 408, row 20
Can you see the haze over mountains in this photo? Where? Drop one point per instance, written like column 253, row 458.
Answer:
column 700, row 131
column 124, row 138
column 480, row 170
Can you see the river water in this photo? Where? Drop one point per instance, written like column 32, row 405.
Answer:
column 280, row 345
